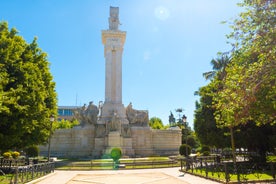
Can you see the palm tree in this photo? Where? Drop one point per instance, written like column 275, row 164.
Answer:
column 219, row 64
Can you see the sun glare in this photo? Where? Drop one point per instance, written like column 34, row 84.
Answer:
column 161, row 13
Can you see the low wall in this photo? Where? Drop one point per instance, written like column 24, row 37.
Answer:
column 75, row 142
column 150, row 142
column 166, row 142
column 81, row 142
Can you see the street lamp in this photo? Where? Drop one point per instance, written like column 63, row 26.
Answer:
column 184, row 120
column 52, row 119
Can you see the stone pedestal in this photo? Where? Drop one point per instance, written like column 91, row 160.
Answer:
column 114, row 139
column 127, row 147
column 98, row 147
column 109, row 110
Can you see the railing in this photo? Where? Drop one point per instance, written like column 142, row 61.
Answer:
column 212, row 168
column 109, row 164
column 18, row 174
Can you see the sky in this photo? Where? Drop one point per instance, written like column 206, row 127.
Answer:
column 169, row 44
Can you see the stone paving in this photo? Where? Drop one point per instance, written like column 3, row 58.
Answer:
column 137, row 176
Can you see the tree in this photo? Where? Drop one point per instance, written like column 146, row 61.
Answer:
column 248, row 92
column 65, row 124
column 250, row 86
column 156, row 123
column 204, row 123
column 219, row 64
column 27, row 91
column 185, row 150
column 116, row 154
column 258, row 139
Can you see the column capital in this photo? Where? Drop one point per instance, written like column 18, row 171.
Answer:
column 113, row 37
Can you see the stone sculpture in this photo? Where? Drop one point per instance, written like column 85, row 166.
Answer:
column 137, row 117
column 114, row 18
column 87, row 114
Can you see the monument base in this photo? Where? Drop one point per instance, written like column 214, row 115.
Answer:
column 114, row 139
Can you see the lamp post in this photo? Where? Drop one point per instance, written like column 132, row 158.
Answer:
column 52, row 119
column 184, row 120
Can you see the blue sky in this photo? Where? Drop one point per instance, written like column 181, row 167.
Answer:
column 169, row 44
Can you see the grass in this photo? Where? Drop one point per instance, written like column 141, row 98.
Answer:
column 107, row 164
column 271, row 158
column 5, row 179
column 257, row 176
column 8, row 178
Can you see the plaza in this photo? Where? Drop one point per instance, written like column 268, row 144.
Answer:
column 136, row 176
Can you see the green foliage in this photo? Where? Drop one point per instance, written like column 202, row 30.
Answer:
column 204, row 123
column 192, row 140
column 116, row 154
column 206, row 153
column 65, row 124
column 156, row 123
column 183, row 148
column 241, row 94
column 7, row 154
column 205, row 148
column 219, row 64
column 27, row 91
column 250, row 86
column 32, row 151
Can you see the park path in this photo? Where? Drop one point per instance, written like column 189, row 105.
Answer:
column 135, row 176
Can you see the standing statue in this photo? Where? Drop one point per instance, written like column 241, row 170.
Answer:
column 115, row 122
column 114, row 18
column 171, row 119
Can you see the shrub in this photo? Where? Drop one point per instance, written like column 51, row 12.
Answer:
column 182, row 149
column 116, row 154
column 15, row 154
column 32, row 151
column 205, row 148
column 206, row 153
column 7, row 154
column 227, row 152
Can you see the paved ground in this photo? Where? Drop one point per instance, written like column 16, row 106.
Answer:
column 139, row 176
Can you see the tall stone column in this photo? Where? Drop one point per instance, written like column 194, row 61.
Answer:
column 113, row 40
column 113, row 113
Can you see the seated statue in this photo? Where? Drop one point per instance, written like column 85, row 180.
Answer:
column 87, row 115
column 92, row 112
column 137, row 117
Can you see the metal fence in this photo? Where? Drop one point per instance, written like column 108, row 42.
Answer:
column 213, row 168
column 103, row 164
column 17, row 174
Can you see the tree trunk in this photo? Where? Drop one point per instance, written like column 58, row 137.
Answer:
column 233, row 146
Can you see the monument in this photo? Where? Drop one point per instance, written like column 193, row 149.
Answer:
column 110, row 124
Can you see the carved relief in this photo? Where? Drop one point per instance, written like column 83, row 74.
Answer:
column 125, row 130
column 100, row 130
column 115, row 122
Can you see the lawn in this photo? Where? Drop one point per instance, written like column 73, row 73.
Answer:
column 126, row 163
